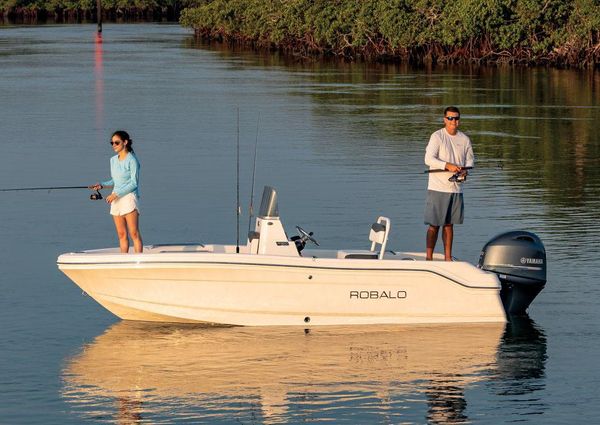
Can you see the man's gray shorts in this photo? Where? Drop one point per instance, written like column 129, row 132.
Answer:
column 444, row 208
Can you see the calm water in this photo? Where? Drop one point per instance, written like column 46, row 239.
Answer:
column 342, row 144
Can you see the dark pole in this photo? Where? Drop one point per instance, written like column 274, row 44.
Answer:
column 99, row 15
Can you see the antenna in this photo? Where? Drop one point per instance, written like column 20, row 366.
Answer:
column 251, row 207
column 238, row 208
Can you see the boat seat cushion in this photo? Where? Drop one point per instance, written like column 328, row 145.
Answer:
column 358, row 255
column 362, row 256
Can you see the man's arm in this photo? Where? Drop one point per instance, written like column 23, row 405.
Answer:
column 432, row 154
column 469, row 155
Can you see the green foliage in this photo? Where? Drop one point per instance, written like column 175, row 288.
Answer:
column 53, row 6
column 529, row 31
column 564, row 32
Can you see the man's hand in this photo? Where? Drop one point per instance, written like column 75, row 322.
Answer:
column 453, row 168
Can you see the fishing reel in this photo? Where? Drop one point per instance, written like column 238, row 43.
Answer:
column 96, row 196
column 459, row 177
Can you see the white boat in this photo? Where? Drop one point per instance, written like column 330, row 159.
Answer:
column 274, row 280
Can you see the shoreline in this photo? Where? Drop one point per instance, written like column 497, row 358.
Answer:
column 562, row 34
column 418, row 57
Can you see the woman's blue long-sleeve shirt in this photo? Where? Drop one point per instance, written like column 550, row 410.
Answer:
column 125, row 175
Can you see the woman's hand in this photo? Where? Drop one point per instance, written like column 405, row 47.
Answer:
column 95, row 186
column 112, row 197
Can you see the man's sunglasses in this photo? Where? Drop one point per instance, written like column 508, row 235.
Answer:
column 452, row 118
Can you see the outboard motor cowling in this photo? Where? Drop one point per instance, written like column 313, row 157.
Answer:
column 519, row 260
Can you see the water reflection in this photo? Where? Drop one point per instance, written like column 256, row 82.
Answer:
column 522, row 358
column 135, row 372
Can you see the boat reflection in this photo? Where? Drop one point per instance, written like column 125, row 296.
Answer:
column 521, row 358
column 138, row 371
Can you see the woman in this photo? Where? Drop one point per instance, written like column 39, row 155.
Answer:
column 125, row 176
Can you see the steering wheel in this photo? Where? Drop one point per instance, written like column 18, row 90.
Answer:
column 306, row 235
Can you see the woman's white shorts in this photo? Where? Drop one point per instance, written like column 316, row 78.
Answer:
column 125, row 205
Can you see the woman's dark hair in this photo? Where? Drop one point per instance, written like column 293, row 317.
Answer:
column 124, row 136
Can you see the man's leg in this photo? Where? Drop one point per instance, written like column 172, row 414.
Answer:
column 432, row 235
column 447, row 237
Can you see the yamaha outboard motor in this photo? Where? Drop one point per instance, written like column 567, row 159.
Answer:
column 519, row 260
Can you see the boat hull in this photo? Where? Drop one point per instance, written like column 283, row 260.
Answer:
column 263, row 291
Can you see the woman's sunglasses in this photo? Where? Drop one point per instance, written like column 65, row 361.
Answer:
column 115, row 143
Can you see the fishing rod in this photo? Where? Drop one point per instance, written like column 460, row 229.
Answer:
column 445, row 171
column 43, row 188
column 456, row 177
column 251, row 207
column 94, row 196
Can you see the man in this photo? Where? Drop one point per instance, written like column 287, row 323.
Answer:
column 448, row 149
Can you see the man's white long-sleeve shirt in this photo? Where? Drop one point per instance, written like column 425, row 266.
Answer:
column 443, row 148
